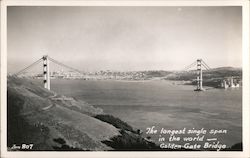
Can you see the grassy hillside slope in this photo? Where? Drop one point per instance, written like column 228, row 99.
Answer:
column 36, row 116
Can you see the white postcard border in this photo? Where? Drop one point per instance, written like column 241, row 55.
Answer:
column 245, row 57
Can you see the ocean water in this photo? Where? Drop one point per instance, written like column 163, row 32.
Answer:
column 163, row 104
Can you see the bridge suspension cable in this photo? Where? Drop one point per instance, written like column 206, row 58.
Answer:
column 195, row 63
column 63, row 65
column 189, row 66
column 28, row 67
column 205, row 65
column 52, row 60
column 46, row 72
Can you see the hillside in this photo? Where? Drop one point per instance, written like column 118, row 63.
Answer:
column 211, row 77
column 54, row 122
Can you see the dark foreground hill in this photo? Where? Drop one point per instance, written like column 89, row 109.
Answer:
column 53, row 122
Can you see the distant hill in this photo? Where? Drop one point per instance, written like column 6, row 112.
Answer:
column 226, row 68
column 212, row 77
column 220, row 72
column 223, row 72
column 152, row 74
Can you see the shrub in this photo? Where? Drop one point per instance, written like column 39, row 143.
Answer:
column 115, row 122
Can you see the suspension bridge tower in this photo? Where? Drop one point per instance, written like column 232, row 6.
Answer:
column 199, row 63
column 199, row 76
column 46, row 72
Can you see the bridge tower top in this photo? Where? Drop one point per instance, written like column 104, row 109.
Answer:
column 199, row 77
column 46, row 72
column 45, row 57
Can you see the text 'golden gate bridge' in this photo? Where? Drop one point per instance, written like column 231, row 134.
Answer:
column 199, row 63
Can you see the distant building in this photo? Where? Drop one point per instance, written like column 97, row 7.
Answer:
column 230, row 82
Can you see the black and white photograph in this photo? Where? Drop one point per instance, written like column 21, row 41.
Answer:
column 125, row 78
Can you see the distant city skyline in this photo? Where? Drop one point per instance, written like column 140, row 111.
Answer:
column 125, row 38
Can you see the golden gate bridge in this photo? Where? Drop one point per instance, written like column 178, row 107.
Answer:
column 199, row 64
column 46, row 69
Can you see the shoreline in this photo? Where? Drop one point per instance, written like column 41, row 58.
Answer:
column 206, row 85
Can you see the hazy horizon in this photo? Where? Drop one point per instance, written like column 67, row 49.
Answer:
column 125, row 38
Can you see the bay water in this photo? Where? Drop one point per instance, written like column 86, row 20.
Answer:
column 163, row 105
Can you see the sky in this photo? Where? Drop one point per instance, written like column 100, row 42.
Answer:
column 124, row 38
